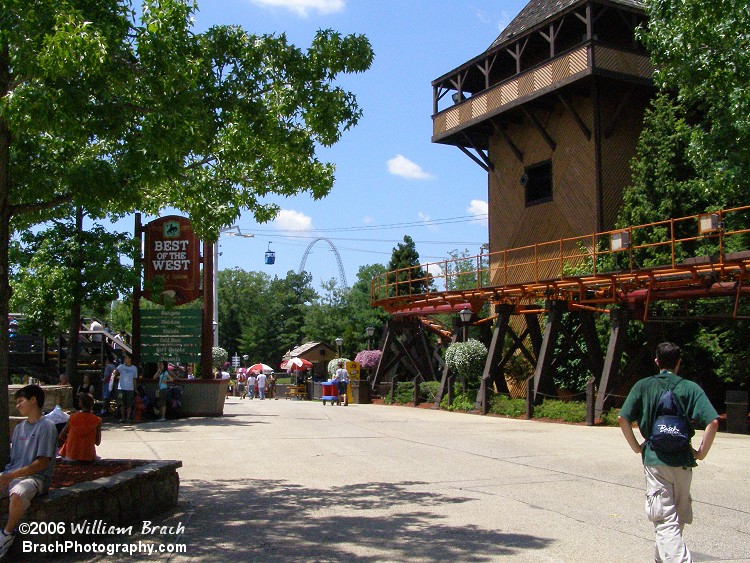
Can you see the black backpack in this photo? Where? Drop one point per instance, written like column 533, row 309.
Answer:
column 671, row 429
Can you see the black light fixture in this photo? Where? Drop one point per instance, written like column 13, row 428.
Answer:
column 339, row 341
column 465, row 315
column 370, row 332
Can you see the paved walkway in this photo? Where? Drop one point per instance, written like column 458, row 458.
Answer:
column 281, row 480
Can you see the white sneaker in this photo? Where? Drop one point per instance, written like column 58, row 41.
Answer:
column 6, row 540
column 162, row 420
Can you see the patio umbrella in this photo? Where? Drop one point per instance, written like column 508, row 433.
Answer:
column 296, row 364
column 257, row 368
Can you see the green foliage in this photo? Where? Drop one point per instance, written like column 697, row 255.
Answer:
column 218, row 356
column 573, row 411
column 609, row 418
column 461, row 402
column 467, row 359
column 428, row 390
column 47, row 275
column 504, row 405
column 405, row 258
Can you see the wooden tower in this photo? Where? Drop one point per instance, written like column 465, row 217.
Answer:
column 552, row 110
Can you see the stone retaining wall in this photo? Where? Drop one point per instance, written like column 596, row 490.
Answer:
column 126, row 498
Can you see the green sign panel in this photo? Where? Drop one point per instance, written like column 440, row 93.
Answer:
column 171, row 335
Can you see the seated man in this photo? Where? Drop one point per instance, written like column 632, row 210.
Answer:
column 82, row 433
column 32, row 460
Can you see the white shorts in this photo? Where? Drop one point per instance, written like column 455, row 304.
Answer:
column 27, row 488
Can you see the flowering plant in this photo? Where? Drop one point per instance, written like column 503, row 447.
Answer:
column 467, row 359
column 368, row 358
column 218, row 356
column 333, row 365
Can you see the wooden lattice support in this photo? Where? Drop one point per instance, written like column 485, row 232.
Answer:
column 444, row 380
column 543, row 384
column 619, row 323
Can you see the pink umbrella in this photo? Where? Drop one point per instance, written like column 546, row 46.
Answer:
column 257, row 368
column 296, row 364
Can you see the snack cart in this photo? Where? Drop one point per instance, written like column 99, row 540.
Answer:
column 330, row 391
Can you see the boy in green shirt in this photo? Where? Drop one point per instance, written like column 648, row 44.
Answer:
column 668, row 475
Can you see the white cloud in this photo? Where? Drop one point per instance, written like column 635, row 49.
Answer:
column 289, row 220
column 367, row 220
column 399, row 165
column 302, row 7
column 434, row 269
column 479, row 209
column 427, row 221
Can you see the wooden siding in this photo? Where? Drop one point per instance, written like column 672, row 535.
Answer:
column 573, row 209
column 618, row 148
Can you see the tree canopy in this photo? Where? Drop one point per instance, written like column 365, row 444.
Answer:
column 117, row 110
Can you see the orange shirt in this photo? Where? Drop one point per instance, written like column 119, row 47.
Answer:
column 80, row 443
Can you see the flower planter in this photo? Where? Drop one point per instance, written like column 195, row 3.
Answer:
column 200, row 397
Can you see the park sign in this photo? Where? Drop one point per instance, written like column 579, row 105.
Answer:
column 171, row 335
column 171, row 261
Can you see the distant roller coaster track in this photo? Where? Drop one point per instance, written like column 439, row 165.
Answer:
column 342, row 274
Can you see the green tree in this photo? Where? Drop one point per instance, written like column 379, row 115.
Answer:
column 243, row 300
column 408, row 276
column 701, row 53
column 118, row 110
column 46, row 271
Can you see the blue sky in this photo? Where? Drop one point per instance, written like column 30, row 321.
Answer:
column 391, row 180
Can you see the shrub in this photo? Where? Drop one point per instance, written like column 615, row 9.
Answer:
column 404, row 392
column 461, row 402
column 368, row 359
column 218, row 356
column 467, row 359
column 504, row 405
column 428, row 390
column 609, row 418
column 574, row 411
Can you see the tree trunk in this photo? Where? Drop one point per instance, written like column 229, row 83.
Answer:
column 71, row 365
column 4, row 259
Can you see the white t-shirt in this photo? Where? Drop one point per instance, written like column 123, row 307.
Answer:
column 261, row 381
column 342, row 375
column 128, row 375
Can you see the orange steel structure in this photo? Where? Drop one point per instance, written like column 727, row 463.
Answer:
column 699, row 256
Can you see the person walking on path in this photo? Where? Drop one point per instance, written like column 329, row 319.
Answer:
column 342, row 382
column 251, row 384
column 261, row 385
column 127, row 374
column 32, row 460
column 164, row 377
column 668, row 474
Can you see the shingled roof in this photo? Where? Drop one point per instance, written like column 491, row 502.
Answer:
column 537, row 11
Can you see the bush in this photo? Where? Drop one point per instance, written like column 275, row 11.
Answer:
column 504, row 405
column 368, row 359
column 467, row 359
column 461, row 402
column 609, row 418
column 428, row 390
column 218, row 356
column 574, row 411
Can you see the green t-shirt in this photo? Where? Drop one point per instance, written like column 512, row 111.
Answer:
column 640, row 406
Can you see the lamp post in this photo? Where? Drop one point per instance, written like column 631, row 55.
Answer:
column 228, row 231
column 465, row 316
column 369, row 331
column 245, row 358
column 339, row 341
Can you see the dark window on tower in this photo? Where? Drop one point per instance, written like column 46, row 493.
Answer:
column 537, row 182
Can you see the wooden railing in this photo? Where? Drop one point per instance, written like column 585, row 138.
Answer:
column 610, row 262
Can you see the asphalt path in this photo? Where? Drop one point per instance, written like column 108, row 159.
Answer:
column 289, row 480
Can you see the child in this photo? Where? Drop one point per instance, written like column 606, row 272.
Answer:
column 32, row 460
column 82, row 433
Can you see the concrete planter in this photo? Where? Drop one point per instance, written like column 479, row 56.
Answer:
column 200, row 397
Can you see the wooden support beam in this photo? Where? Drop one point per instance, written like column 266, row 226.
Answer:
column 617, row 334
column 593, row 356
column 495, row 351
column 577, row 118
column 474, row 158
column 615, row 120
column 539, row 127
column 516, row 151
column 543, row 373
column 481, row 153
column 535, row 333
column 444, row 379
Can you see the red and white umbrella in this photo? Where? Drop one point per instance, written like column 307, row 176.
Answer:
column 296, row 364
column 257, row 368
